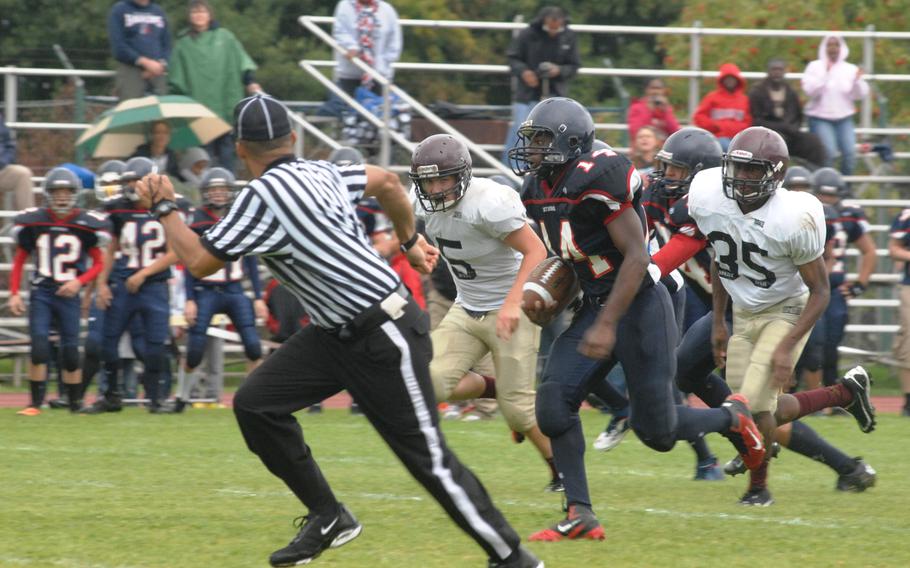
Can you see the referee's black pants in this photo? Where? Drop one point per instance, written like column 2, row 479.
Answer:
column 386, row 369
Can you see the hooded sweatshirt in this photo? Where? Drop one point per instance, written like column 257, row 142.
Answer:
column 721, row 112
column 138, row 31
column 832, row 87
column 386, row 37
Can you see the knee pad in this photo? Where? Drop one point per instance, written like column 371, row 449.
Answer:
column 658, row 441
column 70, row 357
column 554, row 414
column 93, row 348
column 252, row 346
column 194, row 354
column 41, row 351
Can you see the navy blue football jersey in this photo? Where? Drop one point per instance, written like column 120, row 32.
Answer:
column 141, row 238
column 573, row 214
column 200, row 221
column 851, row 224
column 60, row 246
column 667, row 217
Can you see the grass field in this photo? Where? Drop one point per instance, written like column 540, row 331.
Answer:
column 138, row 490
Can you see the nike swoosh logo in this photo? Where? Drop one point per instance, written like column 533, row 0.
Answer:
column 757, row 445
column 324, row 530
column 564, row 528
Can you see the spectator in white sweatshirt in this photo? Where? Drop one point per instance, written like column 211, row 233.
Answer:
column 833, row 85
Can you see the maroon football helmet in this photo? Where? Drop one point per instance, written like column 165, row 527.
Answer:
column 755, row 165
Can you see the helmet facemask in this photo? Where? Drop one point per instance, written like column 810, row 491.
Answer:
column 62, row 200
column 217, row 196
column 749, row 180
column 108, row 187
column 670, row 188
column 433, row 202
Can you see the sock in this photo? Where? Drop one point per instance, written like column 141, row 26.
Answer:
column 554, row 473
column 806, row 441
column 90, row 366
column 73, row 392
column 37, row 389
column 713, row 391
column 702, row 451
column 489, row 389
column 825, row 397
column 758, row 478
column 694, row 423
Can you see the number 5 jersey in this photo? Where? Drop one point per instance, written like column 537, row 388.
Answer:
column 758, row 254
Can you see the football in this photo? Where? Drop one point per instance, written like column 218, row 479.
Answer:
column 552, row 282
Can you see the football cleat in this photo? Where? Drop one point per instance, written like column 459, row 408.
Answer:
column 59, row 403
column 317, row 533
column 708, row 471
column 860, row 479
column 29, row 411
column 579, row 524
column 743, row 432
column 103, row 405
column 613, row 434
column 859, row 383
column 757, row 498
column 736, row 466
column 555, row 486
column 524, row 559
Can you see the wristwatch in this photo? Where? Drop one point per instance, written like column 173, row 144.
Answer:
column 162, row 208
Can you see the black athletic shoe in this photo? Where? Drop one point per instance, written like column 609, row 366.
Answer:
column 524, row 559
column 102, row 405
column 736, row 466
column 317, row 533
column 859, row 383
column 757, row 498
column 860, row 479
column 555, row 486
column 162, row 409
column 59, row 403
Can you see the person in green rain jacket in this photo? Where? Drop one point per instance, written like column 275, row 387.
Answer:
column 209, row 64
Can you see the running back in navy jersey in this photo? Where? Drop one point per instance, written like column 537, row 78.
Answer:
column 141, row 240
column 60, row 246
column 573, row 214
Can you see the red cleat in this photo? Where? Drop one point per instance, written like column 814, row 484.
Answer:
column 744, row 434
column 579, row 524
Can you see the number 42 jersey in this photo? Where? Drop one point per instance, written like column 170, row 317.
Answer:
column 758, row 254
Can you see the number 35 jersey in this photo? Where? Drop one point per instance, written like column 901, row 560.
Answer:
column 60, row 246
column 758, row 254
column 470, row 237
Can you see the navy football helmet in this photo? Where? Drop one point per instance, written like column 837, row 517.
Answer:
column 692, row 149
column 557, row 131
column 798, row 178
column 61, row 202
column 217, row 188
column 828, row 181
column 107, row 180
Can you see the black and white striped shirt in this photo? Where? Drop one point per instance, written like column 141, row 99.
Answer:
column 299, row 217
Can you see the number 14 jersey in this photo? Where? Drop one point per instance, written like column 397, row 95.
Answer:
column 758, row 253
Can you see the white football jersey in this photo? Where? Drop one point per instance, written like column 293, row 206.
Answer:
column 470, row 235
column 758, row 253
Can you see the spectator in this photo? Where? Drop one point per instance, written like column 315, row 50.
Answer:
column 158, row 151
column 369, row 30
column 775, row 104
column 653, row 110
column 833, row 85
column 899, row 247
column 542, row 58
column 141, row 44
column 14, row 179
column 210, row 65
column 645, row 145
column 193, row 163
column 725, row 111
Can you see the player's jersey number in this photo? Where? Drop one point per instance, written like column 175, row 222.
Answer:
column 57, row 256
column 727, row 258
column 461, row 269
column 568, row 250
column 140, row 255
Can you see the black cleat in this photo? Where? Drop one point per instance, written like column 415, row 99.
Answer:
column 859, row 383
column 555, row 486
column 317, row 533
column 59, row 403
column 757, row 498
column 162, row 409
column 736, row 466
column 860, row 479
column 103, row 405
column 523, row 559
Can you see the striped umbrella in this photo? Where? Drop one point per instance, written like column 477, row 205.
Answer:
column 120, row 130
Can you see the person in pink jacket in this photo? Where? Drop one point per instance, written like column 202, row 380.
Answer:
column 653, row 109
column 724, row 112
column 833, row 85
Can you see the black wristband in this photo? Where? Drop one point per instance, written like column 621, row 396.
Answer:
column 162, row 208
column 409, row 244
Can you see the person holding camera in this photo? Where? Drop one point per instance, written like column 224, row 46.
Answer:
column 653, row 110
column 542, row 58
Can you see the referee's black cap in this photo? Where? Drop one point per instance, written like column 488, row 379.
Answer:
column 259, row 118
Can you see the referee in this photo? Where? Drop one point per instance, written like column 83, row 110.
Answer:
column 368, row 337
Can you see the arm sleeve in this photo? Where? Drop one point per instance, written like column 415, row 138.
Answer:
column 637, row 117
column 808, row 243
column 343, row 29
column 250, row 227
column 165, row 39
column 813, row 80
column 15, row 277
column 516, row 54
column 393, row 44
column 670, row 122
column 860, row 89
column 177, row 76
column 251, row 267
column 97, row 265
column 678, row 250
column 570, row 68
column 702, row 116
column 119, row 48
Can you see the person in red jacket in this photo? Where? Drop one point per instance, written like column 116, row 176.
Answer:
column 653, row 110
column 724, row 112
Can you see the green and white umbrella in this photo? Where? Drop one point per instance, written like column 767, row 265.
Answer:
column 119, row 131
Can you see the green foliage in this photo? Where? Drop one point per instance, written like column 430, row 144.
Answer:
column 183, row 491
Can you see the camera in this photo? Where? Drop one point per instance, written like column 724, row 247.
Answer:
column 543, row 70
